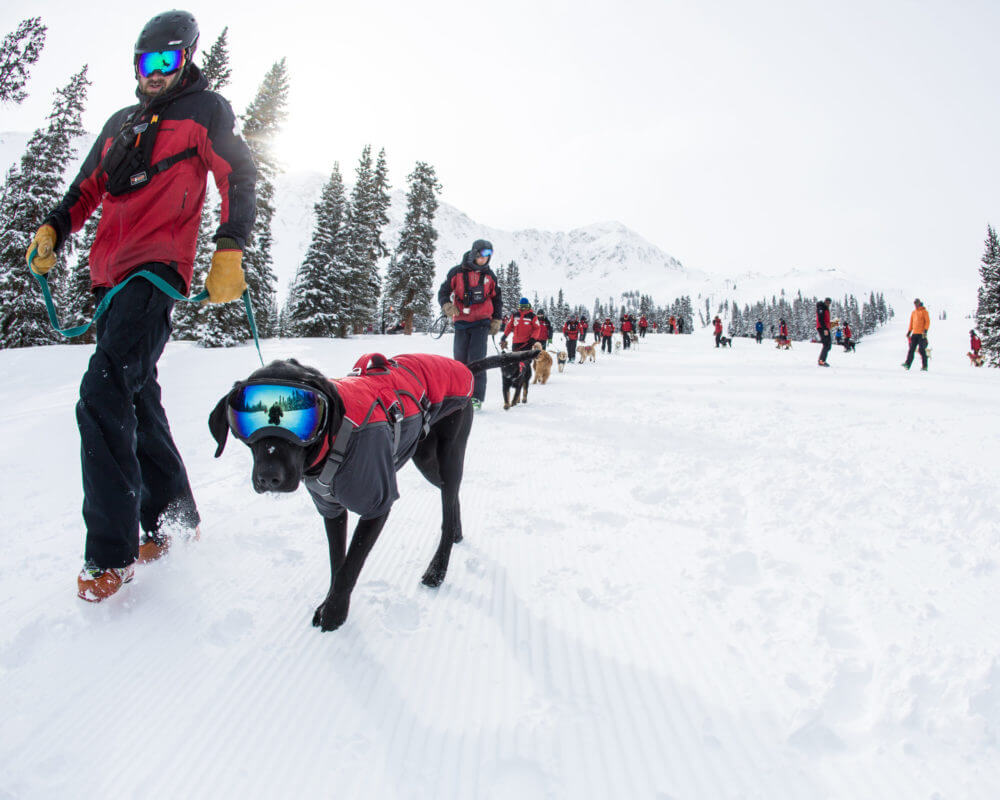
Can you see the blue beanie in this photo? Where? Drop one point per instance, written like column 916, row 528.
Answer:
column 523, row 303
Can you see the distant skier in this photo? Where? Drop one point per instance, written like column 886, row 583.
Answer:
column 847, row 336
column 823, row 329
column 975, row 343
column 680, row 324
column 920, row 323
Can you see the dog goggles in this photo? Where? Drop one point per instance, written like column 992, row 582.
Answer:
column 286, row 410
column 166, row 62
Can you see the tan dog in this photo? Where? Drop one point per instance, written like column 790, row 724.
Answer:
column 562, row 357
column 587, row 351
column 543, row 364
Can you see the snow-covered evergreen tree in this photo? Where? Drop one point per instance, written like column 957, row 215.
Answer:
column 77, row 304
column 261, row 124
column 191, row 320
column 317, row 300
column 410, row 277
column 19, row 51
column 988, row 310
column 364, row 245
column 30, row 191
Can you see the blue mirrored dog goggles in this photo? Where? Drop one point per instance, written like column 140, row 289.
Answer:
column 286, row 410
column 166, row 62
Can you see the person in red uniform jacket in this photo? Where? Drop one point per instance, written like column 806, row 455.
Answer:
column 607, row 330
column 975, row 343
column 147, row 171
column 643, row 325
column 571, row 330
column 544, row 329
column 782, row 331
column 627, row 328
column 522, row 327
column 718, row 331
column 823, row 329
column 847, row 335
column 596, row 327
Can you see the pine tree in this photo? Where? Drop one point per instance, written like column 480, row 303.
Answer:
column 261, row 124
column 190, row 319
column 31, row 190
column 514, row 284
column 988, row 310
column 409, row 280
column 364, row 244
column 381, row 201
column 317, row 301
column 19, row 51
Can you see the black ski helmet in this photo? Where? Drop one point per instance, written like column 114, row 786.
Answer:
column 171, row 30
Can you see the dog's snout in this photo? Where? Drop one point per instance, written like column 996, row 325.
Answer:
column 269, row 477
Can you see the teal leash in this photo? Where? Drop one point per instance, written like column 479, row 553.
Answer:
column 154, row 279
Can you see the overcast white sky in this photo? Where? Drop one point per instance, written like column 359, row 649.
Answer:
column 735, row 135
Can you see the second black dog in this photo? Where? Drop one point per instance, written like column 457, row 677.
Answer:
column 515, row 376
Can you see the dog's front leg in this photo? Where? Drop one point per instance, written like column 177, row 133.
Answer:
column 332, row 613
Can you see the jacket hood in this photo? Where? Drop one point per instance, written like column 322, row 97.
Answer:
column 469, row 260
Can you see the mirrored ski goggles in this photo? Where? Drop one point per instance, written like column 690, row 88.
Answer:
column 166, row 62
column 485, row 253
column 286, row 410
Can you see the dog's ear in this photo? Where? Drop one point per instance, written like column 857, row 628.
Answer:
column 218, row 425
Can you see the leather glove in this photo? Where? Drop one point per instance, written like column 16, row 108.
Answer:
column 45, row 257
column 225, row 280
column 449, row 310
column 494, row 327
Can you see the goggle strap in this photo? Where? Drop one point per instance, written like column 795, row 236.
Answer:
column 334, row 459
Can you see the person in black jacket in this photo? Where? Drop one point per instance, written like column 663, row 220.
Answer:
column 470, row 295
column 133, row 475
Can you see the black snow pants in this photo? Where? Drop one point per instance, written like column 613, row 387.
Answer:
column 469, row 346
column 827, row 343
column 605, row 344
column 133, row 475
column 917, row 340
column 571, row 348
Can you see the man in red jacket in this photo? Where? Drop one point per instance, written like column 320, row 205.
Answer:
column 524, row 327
column 148, row 171
column 823, row 329
column 571, row 330
column 643, row 326
column 607, row 330
column 717, row 322
column 627, row 328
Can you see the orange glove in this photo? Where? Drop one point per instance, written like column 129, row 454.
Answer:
column 225, row 280
column 45, row 255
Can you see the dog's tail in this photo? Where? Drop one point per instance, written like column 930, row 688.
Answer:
column 491, row 362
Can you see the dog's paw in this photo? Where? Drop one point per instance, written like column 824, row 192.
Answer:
column 331, row 614
column 434, row 576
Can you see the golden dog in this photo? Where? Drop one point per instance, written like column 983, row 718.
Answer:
column 562, row 358
column 587, row 351
column 543, row 364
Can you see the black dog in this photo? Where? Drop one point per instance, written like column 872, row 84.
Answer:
column 725, row 341
column 515, row 375
column 371, row 424
column 848, row 345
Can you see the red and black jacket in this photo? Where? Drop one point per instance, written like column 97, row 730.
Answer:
column 975, row 343
column 524, row 325
column 388, row 406
column 783, row 331
column 465, row 276
column 597, row 328
column 643, row 322
column 571, row 330
column 626, row 324
column 847, row 331
column 544, row 329
column 718, row 325
column 159, row 222
column 607, row 329
column 822, row 317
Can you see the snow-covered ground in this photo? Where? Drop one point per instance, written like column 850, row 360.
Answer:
column 687, row 573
